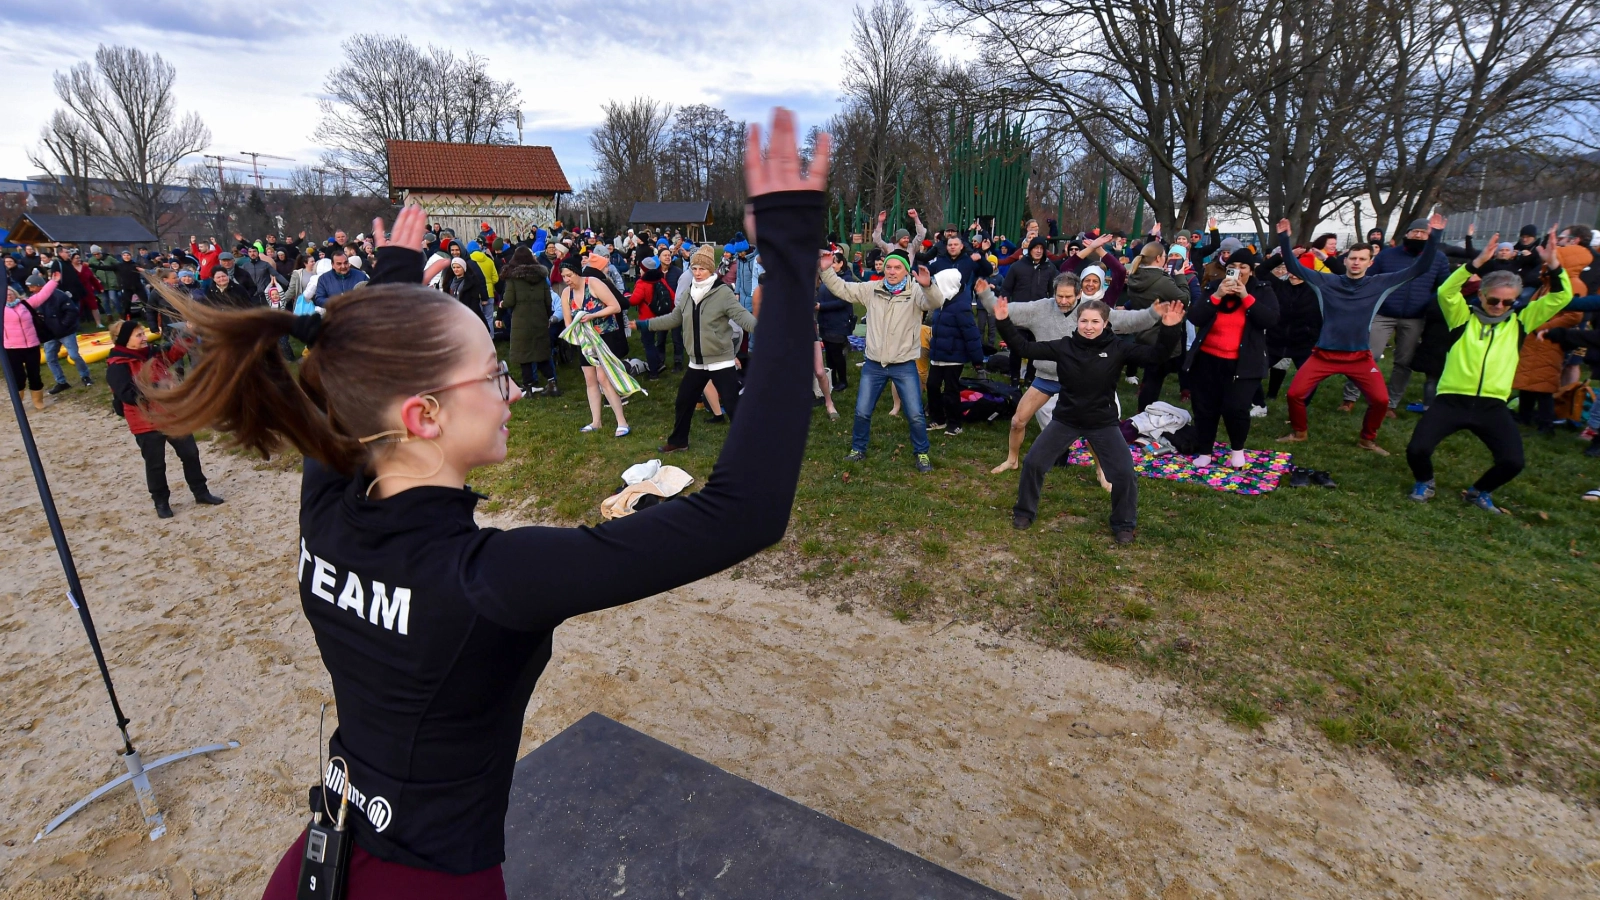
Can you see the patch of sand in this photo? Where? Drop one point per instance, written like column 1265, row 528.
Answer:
column 1032, row 771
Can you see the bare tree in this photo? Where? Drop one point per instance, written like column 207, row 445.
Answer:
column 125, row 103
column 388, row 89
column 628, row 146
column 1473, row 78
column 66, row 154
column 888, row 43
column 703, row 156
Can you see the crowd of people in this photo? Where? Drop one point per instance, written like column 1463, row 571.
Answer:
column 393, row 362
column 923, row 308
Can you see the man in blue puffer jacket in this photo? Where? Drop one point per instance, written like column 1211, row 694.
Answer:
column 953, row 344
column 1401, row 316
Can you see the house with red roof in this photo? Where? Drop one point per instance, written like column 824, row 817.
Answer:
column 513, row 189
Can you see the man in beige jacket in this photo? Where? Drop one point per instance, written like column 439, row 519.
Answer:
column 895, row 307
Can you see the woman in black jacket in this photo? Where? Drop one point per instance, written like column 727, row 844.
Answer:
column 463, row 280
column 1299, row 323
column 1088, row 364
column 432, row 631
column 225, row 291
column 1228, row 358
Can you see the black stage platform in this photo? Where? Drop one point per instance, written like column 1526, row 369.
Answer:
column 602, row 810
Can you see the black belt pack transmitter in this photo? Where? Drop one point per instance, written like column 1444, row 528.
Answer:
column 325, row 867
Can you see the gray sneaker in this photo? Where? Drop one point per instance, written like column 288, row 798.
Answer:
column 855, row 456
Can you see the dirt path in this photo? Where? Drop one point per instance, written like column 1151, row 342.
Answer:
column 1037, row 773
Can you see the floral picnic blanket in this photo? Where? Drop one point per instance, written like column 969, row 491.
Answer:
column 1260, row 476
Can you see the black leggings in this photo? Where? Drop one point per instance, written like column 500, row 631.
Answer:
column 25, row 363
column 1277, row 376
column 1216, row 394
column 833, row 355
column 153, row 447
column 944, row 395
column 1155, row 377
column 1536, row 408
column 689, row 390
column 1485, row 417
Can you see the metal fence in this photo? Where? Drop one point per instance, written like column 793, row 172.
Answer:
column 1582, row 209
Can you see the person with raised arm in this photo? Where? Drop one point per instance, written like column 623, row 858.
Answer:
column 1479, row 370
column 1349, row 302
column 432, row 631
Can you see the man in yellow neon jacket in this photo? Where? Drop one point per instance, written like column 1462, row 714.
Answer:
column 1479, row 371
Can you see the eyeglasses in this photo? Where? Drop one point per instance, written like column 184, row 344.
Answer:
column 501, row 375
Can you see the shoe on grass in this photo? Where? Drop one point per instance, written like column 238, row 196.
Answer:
column 1593, row 449
column 1480, row 499
column 935, row 426
column 670, row 447
column 924, row 464
column 1294, row 437
column 1422, row 492
column 953, row 430
column 1371, row 447
column 1023, row 523
column 1416, row 408
column 1592, row 495
column 1123, row 537
column 855, row 456
column 59, row 387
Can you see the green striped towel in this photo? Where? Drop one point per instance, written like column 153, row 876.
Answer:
column 584, row 336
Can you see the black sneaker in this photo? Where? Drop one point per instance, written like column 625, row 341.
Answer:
column 87, row 382
column 1123, row 537
column 1323, row 479
column 552, row 390
column 206, row 498
column 1021, row 523
column 952, row 431
column 719, row 420
column 1300, row 478
column 163, row 509
column 59, row 387
column 855, row 456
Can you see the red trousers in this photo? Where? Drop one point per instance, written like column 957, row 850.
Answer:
column 1360, row 367
column 374, row 879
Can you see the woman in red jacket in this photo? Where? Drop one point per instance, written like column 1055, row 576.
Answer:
column 131, row 355
column 652, row 296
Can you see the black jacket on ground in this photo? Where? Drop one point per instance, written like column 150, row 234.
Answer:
column 433, row 631
column 1090, row 370
column 1262, row 315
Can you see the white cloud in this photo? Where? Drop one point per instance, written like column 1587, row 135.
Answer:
column 255, row 76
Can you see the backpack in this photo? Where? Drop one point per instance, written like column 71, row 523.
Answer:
column 660, row 299
column 57, row 317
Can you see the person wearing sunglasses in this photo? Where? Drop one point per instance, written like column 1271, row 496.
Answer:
column 1479, row 370
column 432, row 631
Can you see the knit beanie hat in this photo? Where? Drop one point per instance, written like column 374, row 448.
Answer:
column 704, row 258
column 124, row 333
column 1529, row 231
column 1418, row 225
column 1229, row 245
column 901, row 255
column 900, row 235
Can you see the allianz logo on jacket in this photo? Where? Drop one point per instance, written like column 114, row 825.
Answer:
column 376, row 605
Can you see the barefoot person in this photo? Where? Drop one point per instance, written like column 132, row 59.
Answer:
column 1089, row 363
column 1349, row 302
column 1480, row 368
column 431, row 628
column 1051, row 319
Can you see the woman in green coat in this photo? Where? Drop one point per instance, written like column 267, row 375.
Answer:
column 526, row 297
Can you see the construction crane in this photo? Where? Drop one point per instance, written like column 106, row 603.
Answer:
column 219, row 161
column 255, row 162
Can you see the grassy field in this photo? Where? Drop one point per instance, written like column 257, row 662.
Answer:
column 1443, row 638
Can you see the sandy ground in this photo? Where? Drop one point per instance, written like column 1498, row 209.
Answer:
column 1037, row 773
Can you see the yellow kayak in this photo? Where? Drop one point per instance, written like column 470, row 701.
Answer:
column 93, row 347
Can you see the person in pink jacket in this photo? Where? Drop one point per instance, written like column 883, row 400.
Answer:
column 22, row 340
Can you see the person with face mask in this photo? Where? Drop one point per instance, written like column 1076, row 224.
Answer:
column 1228, row 358
column 1479, row 372
column 1348, row 304
column 1052, row 319
column 1089, row 362
column 1292, row 338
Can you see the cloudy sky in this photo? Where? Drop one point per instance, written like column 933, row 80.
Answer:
column 255, row 76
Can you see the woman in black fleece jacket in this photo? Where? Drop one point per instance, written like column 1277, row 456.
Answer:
column 1088, row 365
column 430, row 627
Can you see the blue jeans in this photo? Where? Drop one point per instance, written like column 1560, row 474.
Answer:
column 111, row 303
column 873, row 378
column 52, row 349
column 655, row 350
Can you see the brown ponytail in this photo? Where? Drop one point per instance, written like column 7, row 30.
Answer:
column 377, row 343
